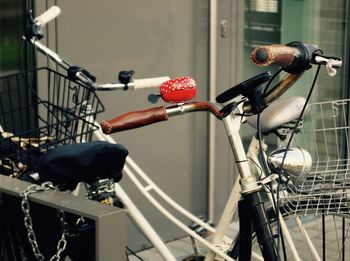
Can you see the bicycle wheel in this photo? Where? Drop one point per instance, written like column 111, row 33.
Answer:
column 329, row 235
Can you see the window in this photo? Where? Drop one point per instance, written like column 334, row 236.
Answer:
column 11, row 31
column 323, row 23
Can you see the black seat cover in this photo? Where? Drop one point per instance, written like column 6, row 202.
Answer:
column 68, row 165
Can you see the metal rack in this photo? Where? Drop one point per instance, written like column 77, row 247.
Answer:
column 34, row 120
column 326, row 189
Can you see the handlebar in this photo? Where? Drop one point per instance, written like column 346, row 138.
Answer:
column 294, row 57
column 34, row 32
column 136, row 119
column 291, row 57
column 48, row 15
column 135, row 84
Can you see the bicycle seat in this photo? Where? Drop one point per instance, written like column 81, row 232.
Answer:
column 278, row 113
column 68, row 165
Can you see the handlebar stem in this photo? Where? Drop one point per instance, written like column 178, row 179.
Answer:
column 281, row 87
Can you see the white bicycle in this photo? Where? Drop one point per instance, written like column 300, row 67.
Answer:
column 231, row 110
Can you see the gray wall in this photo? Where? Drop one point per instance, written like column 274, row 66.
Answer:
column 154, row 38
column 229, row 71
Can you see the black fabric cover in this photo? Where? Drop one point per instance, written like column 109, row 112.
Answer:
column 68, row 165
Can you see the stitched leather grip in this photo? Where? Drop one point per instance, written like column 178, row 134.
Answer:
column 134, row 119
column 274, row 54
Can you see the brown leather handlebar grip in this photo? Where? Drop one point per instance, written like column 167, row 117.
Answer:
column 134, row 119
column 274, row 54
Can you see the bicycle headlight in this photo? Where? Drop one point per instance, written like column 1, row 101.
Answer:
column 296, row 165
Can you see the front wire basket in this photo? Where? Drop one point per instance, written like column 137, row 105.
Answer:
column 326, row 189
column 41, row 110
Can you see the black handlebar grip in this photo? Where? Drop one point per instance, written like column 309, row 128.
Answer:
column 134, row 119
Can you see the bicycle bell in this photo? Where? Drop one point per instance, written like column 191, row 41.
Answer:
column 176, row 90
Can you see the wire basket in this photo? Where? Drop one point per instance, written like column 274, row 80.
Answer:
column 36, row 117
column 326, row 189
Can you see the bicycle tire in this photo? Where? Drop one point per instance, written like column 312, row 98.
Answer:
column 329, row 234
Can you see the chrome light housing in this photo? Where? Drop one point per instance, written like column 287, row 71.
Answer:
column 297, row 163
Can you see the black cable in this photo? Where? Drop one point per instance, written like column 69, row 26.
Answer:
column 344, row 235
column 137, row 227
column 282, row 240
column 140, row 232
column 277, row 204
column 257, row 165
column 290, row 141
column 271, row 80
column 323, row 237
column 21, row 53
column 20, row 56
column 267, row 172
column 133, row 253
column 343, row 238
column 265, row 167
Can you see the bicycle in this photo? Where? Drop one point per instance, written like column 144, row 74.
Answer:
column 284, row 56
column 66, row 110
column 175, row 110
column 63, row 114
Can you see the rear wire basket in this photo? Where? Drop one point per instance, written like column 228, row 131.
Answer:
column 41, row 110
column 325, row 135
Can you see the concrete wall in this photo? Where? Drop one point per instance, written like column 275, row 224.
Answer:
column 154, row 38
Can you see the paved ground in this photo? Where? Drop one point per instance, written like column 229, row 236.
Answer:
column 182, row 248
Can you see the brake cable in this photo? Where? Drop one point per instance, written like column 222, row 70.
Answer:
column 289, row 143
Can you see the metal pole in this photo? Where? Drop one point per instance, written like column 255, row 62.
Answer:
column 212, row 93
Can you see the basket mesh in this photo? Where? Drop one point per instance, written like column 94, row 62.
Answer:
column 33, row 122
column 326, row 189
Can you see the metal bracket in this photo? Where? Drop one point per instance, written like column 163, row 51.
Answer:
column 250, row 185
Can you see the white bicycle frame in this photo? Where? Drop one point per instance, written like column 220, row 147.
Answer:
column 221, row 243
column 253, row 152
column 135, row 176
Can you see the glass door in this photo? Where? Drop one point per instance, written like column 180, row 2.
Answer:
column 12, row 13
column 324, row 23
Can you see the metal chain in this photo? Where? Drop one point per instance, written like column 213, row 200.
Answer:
column 102, row 191
column 100, row 187
column 61, row 245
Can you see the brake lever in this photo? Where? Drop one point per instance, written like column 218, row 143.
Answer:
column 331, row 63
